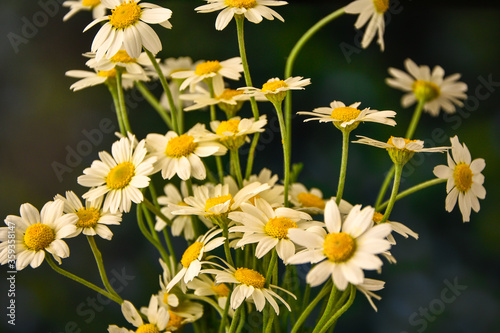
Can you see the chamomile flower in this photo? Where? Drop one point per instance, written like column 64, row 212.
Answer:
column 96, row 77
column 249, row 284
column 433, row 88
column 398, row 227
column 374, row 11
column 349, row 117
column 275, row 89
column 269, row 227
column 92, row 220
column 191, row 258
column 345, row 250
column 127, row 26
column 157, row 316
column 233, row 133
column 37, row 234
column 138, row 66
column 213, row 69
column 400, row 150
column 181, row 154
column 253, row 10
column 274, row 195
column 172, row 65
column 119, row 176
column 312, row 201
column 465, row 180
column 95, row 6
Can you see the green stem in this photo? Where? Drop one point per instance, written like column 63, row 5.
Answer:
column 341, row 311
column 169, row 247
column 328, row 309
column 121, row 100
column 236, row 319
column 151, row 225
column 149, row 205
column 100, row 266
column 166, row 88
column 242, row 320
column 151, row 99
column 145, row 232
column 286, row 150
column 251, row 155
column 235, row 160
column 394, row 193
column 270, row 267
column 385, row 185
column 414, row 120
column 227, row 249
column 224, row 315
column 311, row 306
column 114, row 94
column 414, row 189
column 343, row 165
column 80, row 280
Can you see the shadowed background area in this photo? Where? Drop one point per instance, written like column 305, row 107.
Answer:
column 447, row 281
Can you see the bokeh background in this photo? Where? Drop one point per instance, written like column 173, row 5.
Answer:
column 42, row 122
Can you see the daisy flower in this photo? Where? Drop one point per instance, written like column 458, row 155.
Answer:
column 91, row 219
column 253, row 10
column 275, row 89
column 181, row 64
column 121, row 59
column 214, row 69
column 95, row 6
column 312, row 201
column 433, row 88
column 398, row 227
column 349, row 117
column 400, row 150
column 37, row 233
column 119, row 176
column 181, row 154
column 191, row 258
column 374, row 11
column 465, row 180
column 274, row 195
column 127, row 27
column 346, row 250
column 249, row 284
column 233, row 133
column 90, row 79
column 269, row 227
column 158, row 317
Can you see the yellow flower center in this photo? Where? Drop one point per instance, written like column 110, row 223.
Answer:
column 191, row 254
column 250, row 277
column 125, row 15
column 229, row 94
column 87, row 217
column 345, row 113
column 377, row 217
column 381, row 6
column 38, row 236
column 240, row 3
column 426, row 90
column 407, row 141
column 91, row 3
column 220, row 289
column 228, row 126
column 120, row 176
column 180, row 146
column 311, row 200
column 212, row 202
column 182, row 203
column 463, row 177
column 339, row 247
column 123, row 57
column 147, row 328
column 277, row 227
column 165, row 298
column 175, row 321
column 207, row 67
column 108, row 74
column 272, row 86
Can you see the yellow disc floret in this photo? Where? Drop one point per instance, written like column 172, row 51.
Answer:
column 38, row 236
column 191, row 254
column 147, row 328
column 109, row 74
column 207, row 67
column 339, row 247
column 125, row 15
column 250, row 277
column 175, row 321
column 123, row 57
column 345, row 113
column 273, row 86
column 463, row 177
column 400, row 155
column 277, row 227
column 212, row 202
column 240, row 3
column 91, row 3
column 120, row 176
column 381, row 6
column 426, row 90
column 311, row 200
column 87, row 217
column 220, row 290
column 180, row 146
column 230, row 141
column 229, row 94
column 377, row 217
column 230, row 125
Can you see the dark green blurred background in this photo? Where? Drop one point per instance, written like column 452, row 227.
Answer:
column 42, row 121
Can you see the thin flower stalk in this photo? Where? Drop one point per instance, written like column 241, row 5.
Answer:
column 100, row 266
column 116, row 102
column 286, row 150
column 153, row 101
column 148, row 236
column 121, row 100
column 305, row 314
column 343, row 166
column 395, row 187
column 341, row 311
